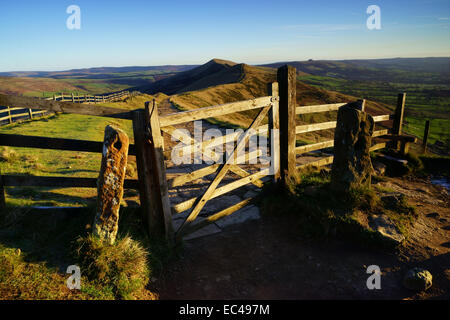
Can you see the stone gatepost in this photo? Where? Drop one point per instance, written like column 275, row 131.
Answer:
column 352, row 166
column 110, row 183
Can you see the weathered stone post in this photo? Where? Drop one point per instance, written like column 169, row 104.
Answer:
column 110, row 183
column 352, row 166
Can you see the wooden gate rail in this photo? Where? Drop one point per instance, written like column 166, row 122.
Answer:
column 213, row 111
column 200, row 173
column 186, row 205
column 268, row 106
column 200, row 202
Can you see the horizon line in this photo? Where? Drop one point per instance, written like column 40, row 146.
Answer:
column 251, row 64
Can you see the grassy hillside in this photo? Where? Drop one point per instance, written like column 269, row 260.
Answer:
column 41, row 162
column 83, row 81
column 402, row 70
column 425, row 80
column 423, row 101
column 253, row 83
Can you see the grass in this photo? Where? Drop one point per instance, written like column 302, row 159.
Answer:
column 40, row 246
column 424, row 101
column 122, row 267
column 41, row 162
column 436, row 165
column 20, row 279
column 323, row 214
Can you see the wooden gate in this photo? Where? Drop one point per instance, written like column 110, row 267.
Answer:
column 151, row 166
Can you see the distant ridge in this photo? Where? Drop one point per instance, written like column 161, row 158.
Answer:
column 417, row 69
column 214, row 72
column 97, row 72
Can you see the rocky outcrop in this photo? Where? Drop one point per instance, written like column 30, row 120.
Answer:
column 352, row 166
column 110, row 183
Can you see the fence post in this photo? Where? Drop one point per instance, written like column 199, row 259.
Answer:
column 54, row 97
column 73, row 98
column 287, row 80
column 30, row 113
column 153, row 187
column 361, row 104
column 85, row 98
column 62, row 96
column 274, row 131
column 9, row 115
column 425, row 136
column 398, row 117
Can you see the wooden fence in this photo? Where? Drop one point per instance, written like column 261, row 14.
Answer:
column 290, row 130
column 9, row 115
column 14, row 140
column 117, row 96
column 279, row 108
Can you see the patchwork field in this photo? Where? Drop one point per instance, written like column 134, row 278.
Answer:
column 423, row 101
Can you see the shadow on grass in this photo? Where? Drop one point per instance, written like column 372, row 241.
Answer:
column 50, row 235
column 44, row 196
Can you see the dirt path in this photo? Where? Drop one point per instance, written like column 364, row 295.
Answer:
column 266, row 259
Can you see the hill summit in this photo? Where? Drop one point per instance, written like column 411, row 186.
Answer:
column 213, row 73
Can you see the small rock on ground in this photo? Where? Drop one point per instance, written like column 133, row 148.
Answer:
column 418, row 279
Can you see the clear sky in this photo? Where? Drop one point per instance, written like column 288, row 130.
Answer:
column 34, row 35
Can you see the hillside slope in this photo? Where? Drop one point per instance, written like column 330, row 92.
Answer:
column 214, row 72
column 252, row 82
column 405, row 70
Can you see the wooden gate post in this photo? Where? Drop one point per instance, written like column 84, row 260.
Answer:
column 153, row 189
column 425, row 136
column 398, row 118
column 274, row 131
column 287, row 80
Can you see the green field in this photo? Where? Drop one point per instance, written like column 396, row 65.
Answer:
column 423, row 101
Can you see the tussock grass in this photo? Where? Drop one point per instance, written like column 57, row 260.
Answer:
column 21, row 279
column 322, row 213
column 122, row 266
column 8, row 155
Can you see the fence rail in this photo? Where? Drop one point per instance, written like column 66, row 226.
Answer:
column 90, row 98
column 14, row 114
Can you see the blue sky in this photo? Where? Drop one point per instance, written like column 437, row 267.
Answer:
column 34, row 36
